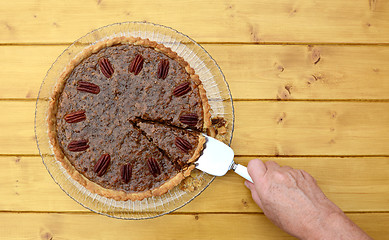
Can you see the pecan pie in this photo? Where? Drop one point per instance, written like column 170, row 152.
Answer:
column 126, row 117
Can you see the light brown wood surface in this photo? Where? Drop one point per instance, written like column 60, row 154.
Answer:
column 310, row 83
column 269, row 72
column 344, row 180
column 359, row 21
column 173, row 226
column 261, row 128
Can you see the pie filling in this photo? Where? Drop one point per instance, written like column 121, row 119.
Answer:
column 178, row 144
column 129, row 117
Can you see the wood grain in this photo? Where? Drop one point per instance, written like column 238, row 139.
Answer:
column 24, row 182
column 330, row 21
column 326, row 61
column 17, row 128
column 304, row 72
column 262, row 128
column 311, row 128
column 252, row 71
column 202, row 226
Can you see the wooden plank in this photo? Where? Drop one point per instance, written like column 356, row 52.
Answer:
column 17, row 128
column 265, row 71
column 304, row 72
column 262, row 128
column 311, row 128
column 35, row 62
column 202, row 226
column 354, row 184
column 359, row 21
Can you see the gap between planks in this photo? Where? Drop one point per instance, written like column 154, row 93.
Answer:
column 223, row 43
column 171, row 213
column 237, row 100
column 248, row 156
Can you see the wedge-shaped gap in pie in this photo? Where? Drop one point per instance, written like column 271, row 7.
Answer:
column 181, row 145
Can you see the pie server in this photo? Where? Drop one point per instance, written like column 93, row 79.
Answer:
column 217, row 158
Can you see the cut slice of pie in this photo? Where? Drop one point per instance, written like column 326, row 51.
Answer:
column 180, row 145
column 105, row 88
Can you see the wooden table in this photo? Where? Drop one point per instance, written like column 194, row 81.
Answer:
column 310, row 82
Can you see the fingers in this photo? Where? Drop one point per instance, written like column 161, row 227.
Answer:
column 296, row 173
column 300, row 173
column 248, row 184
column 271, row 165
column 308, row 176
column 254, row 193
column 287, row 168
column 256, row 169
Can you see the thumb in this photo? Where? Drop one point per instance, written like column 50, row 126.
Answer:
column 256, row 169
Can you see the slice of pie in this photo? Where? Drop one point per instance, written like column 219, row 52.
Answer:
column 178, row 144
column 102, row 92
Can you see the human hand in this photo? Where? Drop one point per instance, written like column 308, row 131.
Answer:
column 293, row 201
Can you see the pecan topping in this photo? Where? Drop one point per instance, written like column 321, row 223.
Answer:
column 181, row 89
column 102, row 165
column 136, row 64
column 218, row 122
column 189, row 119
column 74, row 117
column 125, row 172
column 153, row 167
column 106, row 67
column 88, row 87
column 78, row 145
column 163, row 68
column 183, row 144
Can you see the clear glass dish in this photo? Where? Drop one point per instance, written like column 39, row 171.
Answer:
column 219, row 97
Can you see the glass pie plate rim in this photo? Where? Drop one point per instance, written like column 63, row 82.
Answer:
column 220, row 102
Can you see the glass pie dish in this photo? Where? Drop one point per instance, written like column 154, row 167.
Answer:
column 219, row 98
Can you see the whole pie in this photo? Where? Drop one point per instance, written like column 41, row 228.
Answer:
column 126, row 118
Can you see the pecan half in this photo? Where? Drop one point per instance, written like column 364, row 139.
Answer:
column 218, row 122
column 136, row 64
column 190, row 119
column 163, row 68
column 106, row 67
column 183, row 144
column 102, row 165
column 88, row 87
column 75, row 117
column 125, row 172
column 153, row 167
column 181, row 89
column 78, row 145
